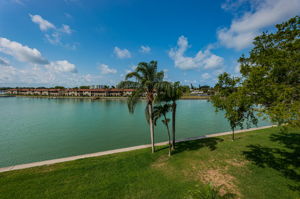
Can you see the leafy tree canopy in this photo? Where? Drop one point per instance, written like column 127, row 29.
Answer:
column 232, row 100
column 271, row 73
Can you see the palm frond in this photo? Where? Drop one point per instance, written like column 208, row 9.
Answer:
column 160, row 110
column 135, row 75
column 133, row 99
column 159, row 76
column 128, row 84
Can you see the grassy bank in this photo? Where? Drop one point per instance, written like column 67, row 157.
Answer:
column 259, row 164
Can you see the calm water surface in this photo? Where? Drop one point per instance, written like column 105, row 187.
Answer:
column 36, row 129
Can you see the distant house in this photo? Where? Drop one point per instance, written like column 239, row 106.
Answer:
column 100, row 92
column 197, row 93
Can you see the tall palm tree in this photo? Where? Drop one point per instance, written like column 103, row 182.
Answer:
column 170, row 92
column 162, row 110
column 148, row 79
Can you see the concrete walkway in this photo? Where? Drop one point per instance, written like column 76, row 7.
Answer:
column 54, row 161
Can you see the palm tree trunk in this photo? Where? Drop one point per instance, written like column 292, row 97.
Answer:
column 167, row 125
column 173, row 125
column 151, row 126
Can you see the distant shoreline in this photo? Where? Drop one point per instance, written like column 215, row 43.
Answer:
column 99, row 98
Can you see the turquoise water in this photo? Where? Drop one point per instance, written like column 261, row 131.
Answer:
column 36, row 129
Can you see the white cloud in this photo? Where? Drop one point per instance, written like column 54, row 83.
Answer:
column 66, row 29
column 7, row 72
column 18, row 2
column 265, row 14
column 237, row 68
column 205, row 76
column 41, row 76
column 145, row 49
column 53, row 34
column 122, row 53
column 62, row 66
column 206, row 59
column 54, row 38
column 4, row 62
column 233, row 5
column 104, row 69
column 128, row 71
column 190, row 81
column 166, row 76
column 43, row 24
column 21, row 52
column 133, row 67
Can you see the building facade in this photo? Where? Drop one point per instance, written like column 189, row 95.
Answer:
column 113, row 92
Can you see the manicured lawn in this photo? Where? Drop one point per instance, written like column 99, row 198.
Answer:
column 258, row 164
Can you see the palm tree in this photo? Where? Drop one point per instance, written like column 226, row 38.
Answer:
column 162, row 110
column 148, row 79
column 171, row 92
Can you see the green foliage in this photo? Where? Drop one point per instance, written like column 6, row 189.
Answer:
column 161, row 111
column 271, row 73
column 59, row 87
column 185, row 89
column 128, row 84
column 234, row 101
column 169, row 92
column 147, row 79
column 208, row 192
column 270, row 155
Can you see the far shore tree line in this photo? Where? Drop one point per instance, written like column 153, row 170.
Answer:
column 269, row 85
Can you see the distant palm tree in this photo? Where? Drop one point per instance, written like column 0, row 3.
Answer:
column 170, row 92
column 162, row 110
column 148, row 79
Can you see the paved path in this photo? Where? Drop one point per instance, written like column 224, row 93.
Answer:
column 54, row 161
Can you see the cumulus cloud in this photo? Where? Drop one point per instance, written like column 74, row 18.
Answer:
column 43, row 23
column 4, row 62
column 21, row 52
column 52, row 33
column 62, row 66
column 206, row 59
column 41, row 76
column 122, row 54
column 32, row 56
column 105, row 69
column 265, row 13
column 145, row 49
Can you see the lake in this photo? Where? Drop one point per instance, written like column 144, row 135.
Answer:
column 36, row 129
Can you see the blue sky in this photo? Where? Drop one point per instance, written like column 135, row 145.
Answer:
column 77, row 42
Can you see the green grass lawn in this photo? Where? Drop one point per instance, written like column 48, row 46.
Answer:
column 258, row 164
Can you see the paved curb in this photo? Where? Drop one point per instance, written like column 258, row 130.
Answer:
column 54, row 161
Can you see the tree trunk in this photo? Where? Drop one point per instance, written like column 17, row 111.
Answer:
column 167, row 125
column 151, row 126
column 232, row 134
column 173, row 124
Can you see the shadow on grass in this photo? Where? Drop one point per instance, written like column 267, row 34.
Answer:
column 211, row 143
column 285, row 158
